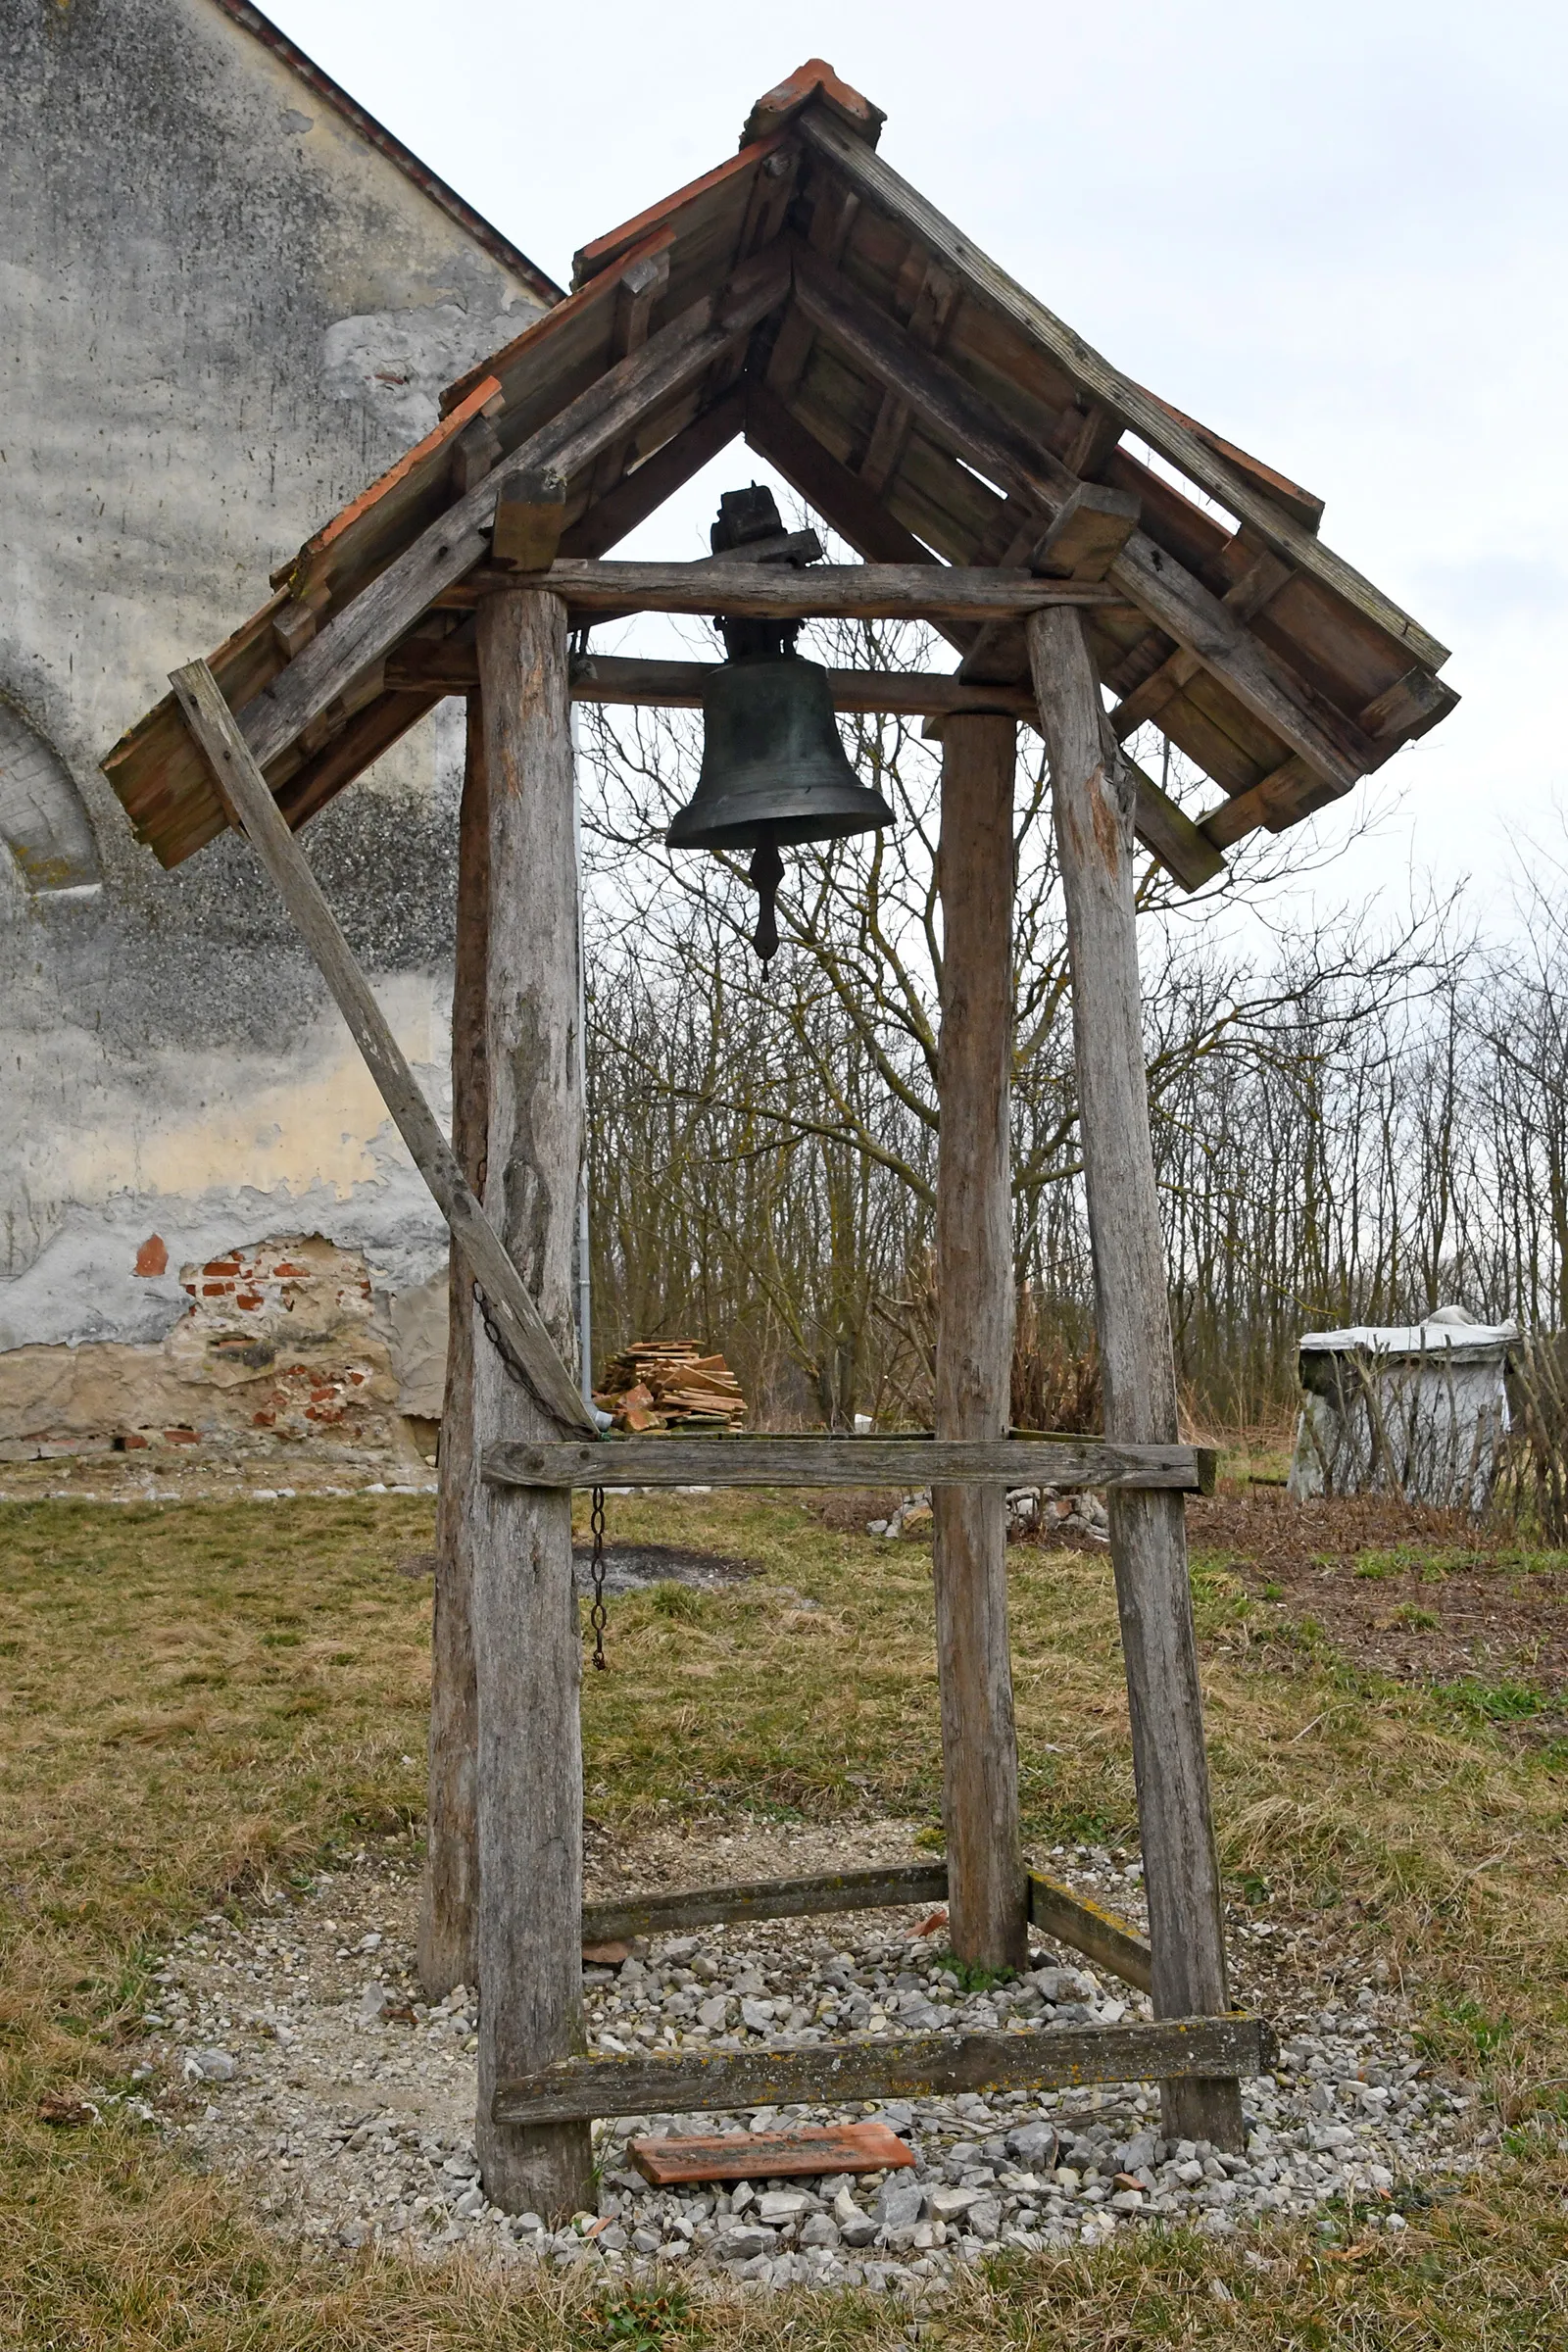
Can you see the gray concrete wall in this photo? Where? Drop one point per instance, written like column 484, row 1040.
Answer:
column 222, row 312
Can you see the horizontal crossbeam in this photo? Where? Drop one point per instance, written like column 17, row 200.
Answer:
column 849, row 1462
column 680, row 685
column 1055, row 1909
column 912, row 2066
column 824, row 592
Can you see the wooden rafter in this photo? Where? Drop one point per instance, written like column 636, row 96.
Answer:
column 1162, row 428
column 366, row 630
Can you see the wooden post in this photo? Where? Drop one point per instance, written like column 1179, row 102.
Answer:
column 1093, row 800
column 974, row 1341
column 449, row 1909
column 526, row 1644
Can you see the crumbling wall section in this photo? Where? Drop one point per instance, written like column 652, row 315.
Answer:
column 221, row 310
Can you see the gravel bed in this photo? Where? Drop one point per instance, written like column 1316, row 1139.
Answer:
column 308, row 2065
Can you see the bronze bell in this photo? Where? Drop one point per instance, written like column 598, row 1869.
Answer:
column 774, row 771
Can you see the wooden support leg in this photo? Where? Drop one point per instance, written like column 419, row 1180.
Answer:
column 974, row 1341
column 449, row 1911
column 526, row 1645
column 1092, row 798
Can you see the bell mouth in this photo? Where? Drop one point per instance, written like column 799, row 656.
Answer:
column 795, row 815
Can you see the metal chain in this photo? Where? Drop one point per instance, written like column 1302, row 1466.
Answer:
column 511, row 1362
column 599, row 1615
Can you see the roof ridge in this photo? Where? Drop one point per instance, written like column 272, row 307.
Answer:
column 429, row 183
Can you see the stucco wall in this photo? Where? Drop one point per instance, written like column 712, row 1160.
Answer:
column 221, row 310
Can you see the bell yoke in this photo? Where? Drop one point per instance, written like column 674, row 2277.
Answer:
column 774, row 771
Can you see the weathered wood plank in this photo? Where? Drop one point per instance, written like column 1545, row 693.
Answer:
column 680, row 685
column 771, row 1898
column 1057, row 1910
column 1147, row 574
column 912, row 2065
column 244, row 787
column 1163, row 826
column 1092, row 801
column 642, row 492
column 849, row 1462
column 865, row 2147
column 827, row 591
column 975, row 1280
column 449, row 1904
column 607, row 411
column 1160, row 426
column 528, row 1647
column 1072, row 1918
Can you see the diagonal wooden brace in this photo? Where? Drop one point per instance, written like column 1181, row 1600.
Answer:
column 244, row 792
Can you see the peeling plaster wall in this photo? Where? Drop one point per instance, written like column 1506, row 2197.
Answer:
column 222, row 312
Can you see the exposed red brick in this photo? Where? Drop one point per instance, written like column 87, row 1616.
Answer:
column 131, row 1442
column 215, row 1289
column 263, row 1420
column 181, row 1437
column 153, row 1256
column 223, row 1265
column 286, row 1272
column 249, row 1300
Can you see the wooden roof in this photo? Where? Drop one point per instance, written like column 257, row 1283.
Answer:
column 926, row 406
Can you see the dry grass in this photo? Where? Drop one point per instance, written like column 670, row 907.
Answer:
column 198, row 1698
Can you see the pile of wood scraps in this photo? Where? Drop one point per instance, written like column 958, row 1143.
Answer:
column 666, row 1383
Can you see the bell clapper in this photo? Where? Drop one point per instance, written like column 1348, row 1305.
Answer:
column 765, row 874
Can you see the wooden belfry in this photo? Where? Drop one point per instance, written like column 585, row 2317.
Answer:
column 970, row 446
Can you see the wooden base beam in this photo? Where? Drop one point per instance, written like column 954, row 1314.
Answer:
column 1055, row 1909
column 851, row 1462
column 914, row 2066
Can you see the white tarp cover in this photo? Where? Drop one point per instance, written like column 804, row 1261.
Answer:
column 1420, row 1409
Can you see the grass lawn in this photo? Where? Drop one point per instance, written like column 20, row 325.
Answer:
column 200, row 1700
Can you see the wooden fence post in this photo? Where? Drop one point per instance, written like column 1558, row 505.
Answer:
column 1093, row 800
column 527, row 1652
column 449, row 1907
column 974, row 1341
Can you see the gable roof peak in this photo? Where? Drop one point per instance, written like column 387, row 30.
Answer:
column 815, row 79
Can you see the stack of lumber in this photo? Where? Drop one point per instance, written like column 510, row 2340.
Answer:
column 665, row 1384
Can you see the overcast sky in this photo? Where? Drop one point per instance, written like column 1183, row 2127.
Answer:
column 1336, row 234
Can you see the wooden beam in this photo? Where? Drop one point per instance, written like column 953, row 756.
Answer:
column 1092, row 802
column 1146, row 574
column 1163, row 428
column 906, row 2065
column 1087, row 533
column 529, row 518
column 527, row 1647
column 1068, row 1918
column 1061, row 1914
column 1188, row 854
column 449, row 1895
column 1020, row 1461
column 244, row 789
column 643, row 283
column 771, row 1898
column 609, row 409
column 936, row 297
column 680, row 685
column 826, row 591
column 974, row 1285
column 910, row 693
column 610, row 517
